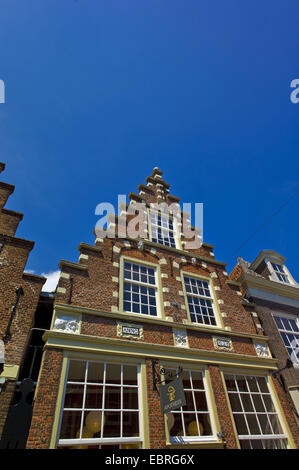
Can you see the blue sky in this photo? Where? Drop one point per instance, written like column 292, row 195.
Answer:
column 98, row 92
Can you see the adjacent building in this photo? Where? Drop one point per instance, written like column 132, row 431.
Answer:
column 268, row 283
column 134, row 313
column 19, row 297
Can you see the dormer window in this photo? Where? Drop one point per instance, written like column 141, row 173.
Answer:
column 280, row 273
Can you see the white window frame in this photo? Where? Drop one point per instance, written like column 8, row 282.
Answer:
column 195, row 439
column 252, row 437
column 174, row 231
column 286, row 272
column 212, row 298
column 156, row 287
column 294, row 347
column 102, row 440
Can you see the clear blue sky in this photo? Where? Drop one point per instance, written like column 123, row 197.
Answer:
column 98, row 92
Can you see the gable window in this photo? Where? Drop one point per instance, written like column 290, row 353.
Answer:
column 288, row 328
column 191, row 422
column 200, row 301
column 101, row 406
column 280, row 273
column 140, row 289
column 254, row 413
column 162, row 229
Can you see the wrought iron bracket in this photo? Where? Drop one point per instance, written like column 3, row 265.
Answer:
column 167, row 375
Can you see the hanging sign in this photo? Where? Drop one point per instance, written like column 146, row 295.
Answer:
column 172, row 395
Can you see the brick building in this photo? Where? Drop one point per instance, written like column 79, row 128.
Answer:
column 269, row 284
column 133, row 306
column 19, row 297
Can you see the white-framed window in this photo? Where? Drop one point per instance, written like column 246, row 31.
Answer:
column 200, row 301
column 162, row 229
column 192, row 422
column 288, row 327
column 140, row 289
column 256, row 419
column 280, row 273
column 101, row 406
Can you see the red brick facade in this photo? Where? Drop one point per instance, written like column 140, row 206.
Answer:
column 14, row 253
column 90, row 294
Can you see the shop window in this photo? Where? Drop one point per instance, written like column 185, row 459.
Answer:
column 256, row 419
column 101, row 406
column 191, row 422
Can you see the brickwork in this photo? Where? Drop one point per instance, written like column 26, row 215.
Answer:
column 264, row 308
column 45, row 400
column 94, row 283
column 222, row 408
column 14, row 253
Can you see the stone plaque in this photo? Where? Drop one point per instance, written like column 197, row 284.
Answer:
column 223, row 343
column 129, row 330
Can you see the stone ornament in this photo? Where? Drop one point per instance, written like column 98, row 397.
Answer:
column 223, row 343
column 261, row 349
column 180, row 338
column 67, row 324
column 129, row 330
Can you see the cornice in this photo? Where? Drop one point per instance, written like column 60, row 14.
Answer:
column 20, row 242
column 74, row 342
column 155, row 321
column 69, row 264
column 250, row 280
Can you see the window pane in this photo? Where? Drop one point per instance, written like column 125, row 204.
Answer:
column 175, row 424
column 258, row 403
column 262, row 384
column 241, row 424
column 189, row 402
column 94, row 395
column 204, row 424
column 130, row 398
column 74, row 396
column 253, row 424
column 246, row 402
column 190, row 424
column 130, row 375
column 241, row 382
column 197, row 381
column 130, row 424
column 230, row 383
column 252, row 384
column 201, row 402
column 112, row 397
column 95, row 372
column 76, row 371
column 264, row 424
column 112, row 424
column 235, row 402
column 113, row 373
column 70, row 425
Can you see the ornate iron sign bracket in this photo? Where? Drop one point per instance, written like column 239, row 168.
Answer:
column 167, row 375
